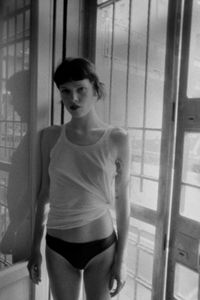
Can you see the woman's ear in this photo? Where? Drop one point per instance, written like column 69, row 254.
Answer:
column 95, row 94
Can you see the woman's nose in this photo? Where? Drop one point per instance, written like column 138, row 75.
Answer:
column 74, row 96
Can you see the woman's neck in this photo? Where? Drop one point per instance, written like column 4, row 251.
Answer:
column 86, row 123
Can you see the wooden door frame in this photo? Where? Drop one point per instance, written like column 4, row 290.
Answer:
column 184, row 124
column 160, row 219
column 167, row 148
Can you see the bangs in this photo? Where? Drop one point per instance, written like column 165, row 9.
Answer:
column 74, row 70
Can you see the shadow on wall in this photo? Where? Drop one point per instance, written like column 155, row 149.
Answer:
column 17, row 238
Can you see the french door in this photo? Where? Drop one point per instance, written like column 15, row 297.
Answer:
column 147, row 54
column 131, row 46
column 184, row 255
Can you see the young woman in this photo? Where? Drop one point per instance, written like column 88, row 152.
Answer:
column 85, row 172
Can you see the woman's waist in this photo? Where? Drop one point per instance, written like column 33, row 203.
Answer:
column 94, row 230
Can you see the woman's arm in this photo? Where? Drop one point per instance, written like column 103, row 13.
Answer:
column 122, row 205
column 48, row 139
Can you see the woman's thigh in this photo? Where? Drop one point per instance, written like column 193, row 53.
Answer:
column 65, row 280
column 97, row 275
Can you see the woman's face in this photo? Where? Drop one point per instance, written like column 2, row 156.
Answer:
column 79, row 97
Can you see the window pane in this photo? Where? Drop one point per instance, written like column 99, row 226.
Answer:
column 190, row 204
column 136, row 98
column 143, row 293
column 137, row 64
column 120, row 52
column 20, row 3
column 186, row 283
column 152, row 153
column 103, row 54
column 10, row 6
column 149, row 142
column 190, row 189
column 19, row 56
column 26, row 54
column 139, row 261
column 11, row 27
column 27, row 2
column 101, row 1
column 193, row 87
column 136, row 146
column 15, row 206
column 144, row 192
column 191, row 159
column 20, row 28
column 147, row 111
column 156, row 63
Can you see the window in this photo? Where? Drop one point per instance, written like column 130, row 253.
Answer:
column 130, row 58
column 14, row 131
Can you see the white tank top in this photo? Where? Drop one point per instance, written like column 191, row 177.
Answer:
column 81, row 182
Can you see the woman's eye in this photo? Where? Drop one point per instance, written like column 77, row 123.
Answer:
column 65, row 91
column 81, row 89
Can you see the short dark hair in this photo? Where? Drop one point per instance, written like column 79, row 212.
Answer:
column 73, row 69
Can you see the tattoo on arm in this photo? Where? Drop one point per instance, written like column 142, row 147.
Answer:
column 119, row 168
column 118, row 163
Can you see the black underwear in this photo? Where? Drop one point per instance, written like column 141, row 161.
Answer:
column 79, row 254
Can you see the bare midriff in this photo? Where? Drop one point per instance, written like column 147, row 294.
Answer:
column 97, row 229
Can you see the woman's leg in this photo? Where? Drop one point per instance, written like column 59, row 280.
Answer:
column 65, row 280
column 97, row 275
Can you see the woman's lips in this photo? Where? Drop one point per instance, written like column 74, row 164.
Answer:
column 74, row 107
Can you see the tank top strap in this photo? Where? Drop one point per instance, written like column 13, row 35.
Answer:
column 108, row 132
column 106, row 140
column 57, row 142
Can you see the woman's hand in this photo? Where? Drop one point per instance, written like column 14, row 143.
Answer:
column 118, row 278
column 34, row 267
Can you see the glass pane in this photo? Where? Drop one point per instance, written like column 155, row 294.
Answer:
column 152, row 153
column 120, row 53
column 186, row 283
column 144, row 192
column 154, row 104
column 190, row 189
column 20, row 24
column 135, row 98
column 190, row 204
column 11, row 27
column 139, row 261
column 101, row 1
column 15, row 206
column 136, row 146
column 10, row 60
column 26, row 54
column 191, row 159
column 27, row 22
column 103, row 54
column 193, row 87
column 143, row 293
column 19, row 54
column 20, row 3
column 145, row 267
column 137, row 64
column 10, row 6
column 156, row 63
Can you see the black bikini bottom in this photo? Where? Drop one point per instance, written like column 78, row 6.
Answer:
column 79, row 254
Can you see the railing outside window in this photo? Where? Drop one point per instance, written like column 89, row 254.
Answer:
column 130, row 58
column 14, row 126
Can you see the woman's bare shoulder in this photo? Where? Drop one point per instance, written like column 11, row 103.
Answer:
column 51, row 132
column 119, row 135
column 50, row 135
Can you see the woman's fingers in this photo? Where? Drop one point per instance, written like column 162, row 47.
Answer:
column 119, row 285
column 35, row 273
